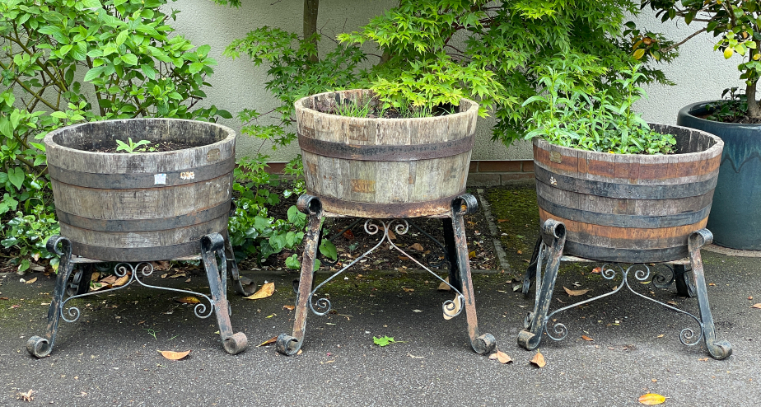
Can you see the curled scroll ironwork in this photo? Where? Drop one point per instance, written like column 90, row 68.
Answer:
column 135, row 271
column 663, row 280
column 322, row 306
column 559, row 331
column 688, row 337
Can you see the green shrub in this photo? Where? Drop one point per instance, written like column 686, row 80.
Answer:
column 571, row 115
column 64, row 62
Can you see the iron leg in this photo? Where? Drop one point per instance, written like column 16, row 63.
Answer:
column 531, row 269
column 291, row 344
column 212, row 246
column 450, row 251
column 553, row 235
column 232, row 266
column 465, row 204
column 717, row 349
column 42, row 346
column 684, row 286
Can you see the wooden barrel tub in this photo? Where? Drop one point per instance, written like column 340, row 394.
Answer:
column 383, row 168
column 629, row 208
column 141, row 206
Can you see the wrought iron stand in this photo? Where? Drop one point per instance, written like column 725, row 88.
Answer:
column 460, row 280
column 215, row 262
column 549, row 250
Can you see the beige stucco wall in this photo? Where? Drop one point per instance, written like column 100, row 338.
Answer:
column 700, row 73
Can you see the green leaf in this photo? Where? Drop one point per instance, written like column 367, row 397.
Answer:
column 94, row 73
column 195, row 67
column 91, row 4
column 16, row 177
column 148, row 71
column 58, row 114
column 383, row 341
column 292, row 262
column 122, row 37
column 129, row 59
column 328, row 249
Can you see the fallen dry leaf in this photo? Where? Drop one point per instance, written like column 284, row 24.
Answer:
column 391, row 235
column 451, row 310
column 472, row 254
column 268, row 342
column 444, row 286
column 415, row 357
column 519, row 251
column 586, row 338
column 750, row 298
column 502, row 357
column 4, row 298
column 502, row 220
column 267, row 290
column 538, row 360
column 597, row 270
column 712, row 284
column 672, row 303
column 575, row 293
column 26, row 396
column 703, row 359
column 418, row 247
column 348, row 235
column 188, row 300
column 30, row 281
column 408, row 290
column 660, row 336
column 178, row 275
column 108, row 280
column 95, row 276
column 168, row 354
column 651, row 399
column 289, row 307
column 121, row 280
column 756, row 305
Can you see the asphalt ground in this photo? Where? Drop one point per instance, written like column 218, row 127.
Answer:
column 109, row 356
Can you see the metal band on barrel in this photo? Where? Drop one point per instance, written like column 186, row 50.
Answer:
column 144, row 225
column 142, row 180
column 412, row 152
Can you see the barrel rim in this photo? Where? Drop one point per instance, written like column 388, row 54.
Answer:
column 52, row 144
column 603, row 156
column 690, row 109
column 473, row 109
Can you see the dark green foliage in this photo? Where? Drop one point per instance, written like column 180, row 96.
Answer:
column 133, row 65
column 571, row 115
column 253, row 232
column 437, row 51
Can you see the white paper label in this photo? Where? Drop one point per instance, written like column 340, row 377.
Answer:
column 159, row 179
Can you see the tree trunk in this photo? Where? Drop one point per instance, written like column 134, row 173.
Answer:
column 754, row 111
column 310, row 25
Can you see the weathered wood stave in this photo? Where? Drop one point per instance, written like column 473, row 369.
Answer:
column 629, row 208
column 144, row 206
column 382, row 168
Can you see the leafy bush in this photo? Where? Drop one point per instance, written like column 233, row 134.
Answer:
column 253, row 232
column 437, row 51
column 571, row 115
column 132, row 65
